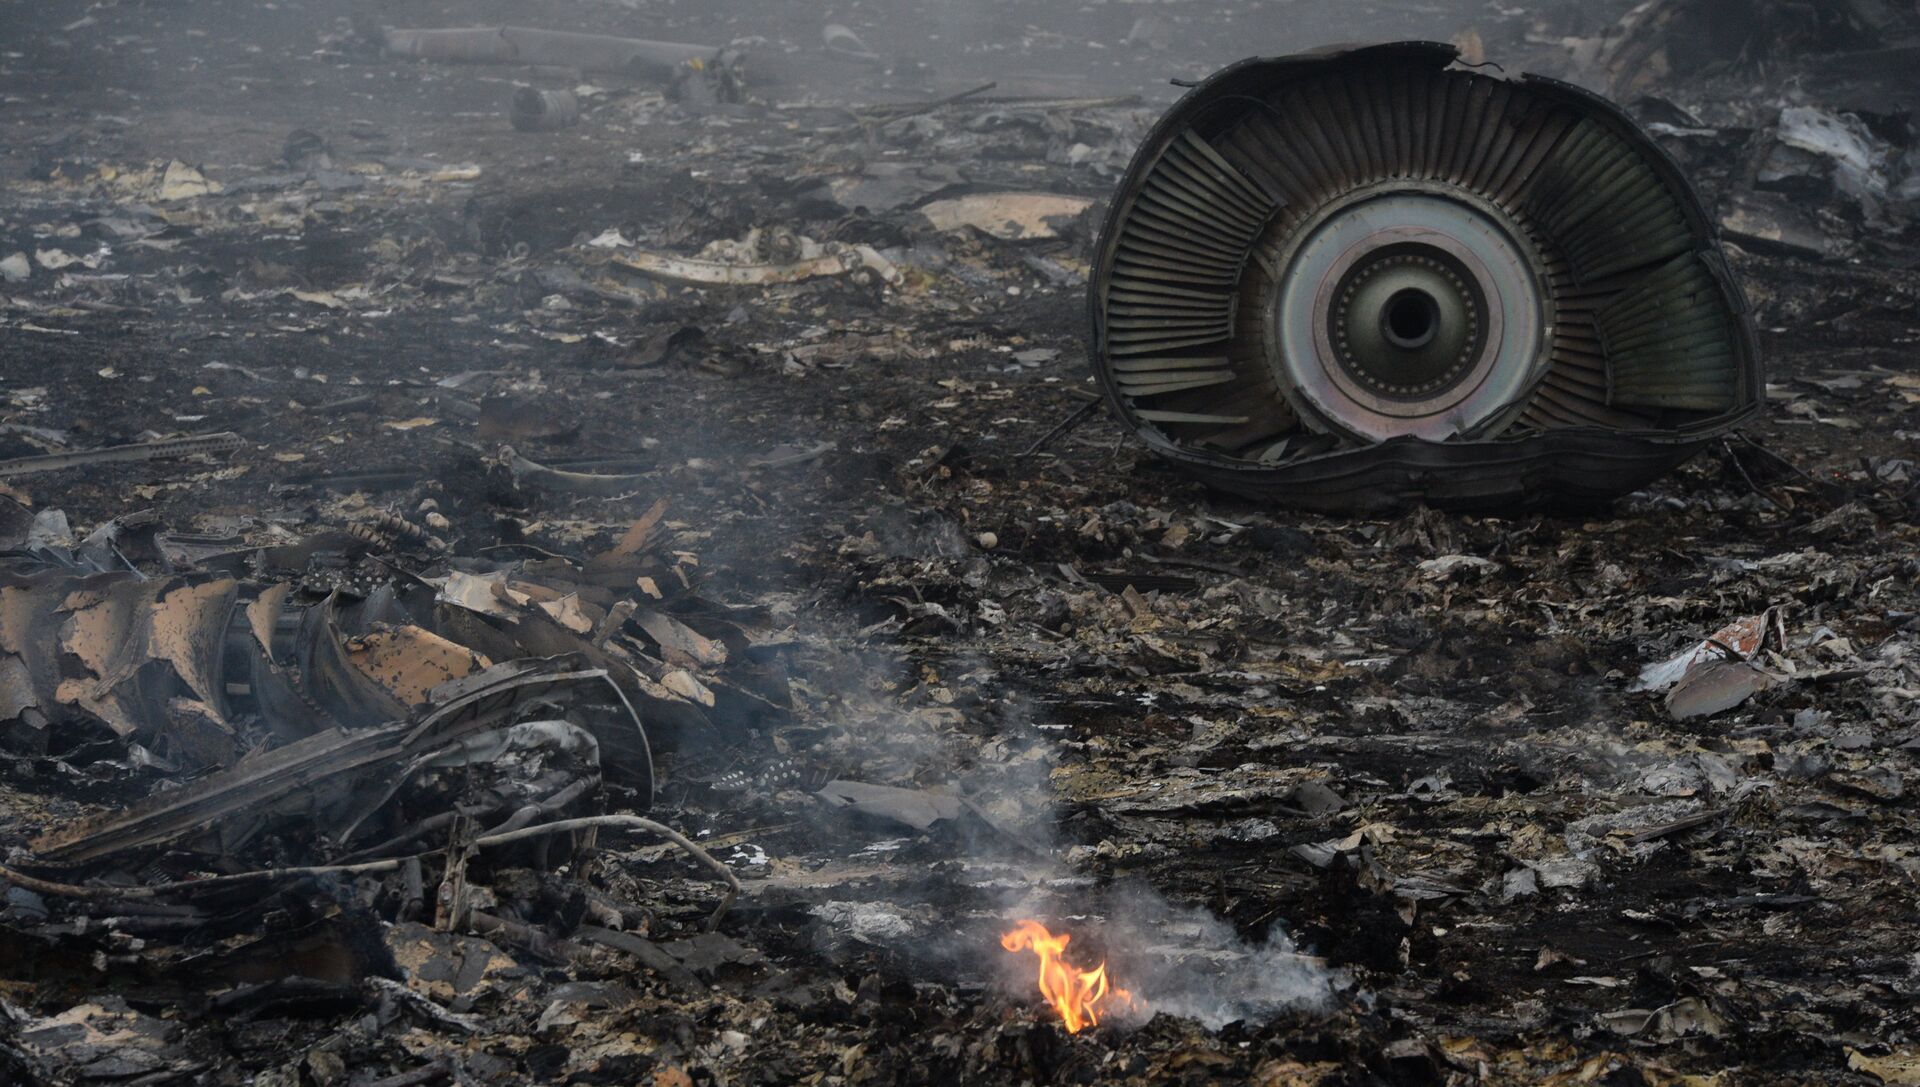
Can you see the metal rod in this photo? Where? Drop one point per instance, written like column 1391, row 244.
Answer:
column 1062, row 428
column 113, row 454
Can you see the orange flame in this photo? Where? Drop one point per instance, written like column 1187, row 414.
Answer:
column 1080, row 996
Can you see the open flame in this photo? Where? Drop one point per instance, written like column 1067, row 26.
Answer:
column 1080, row 996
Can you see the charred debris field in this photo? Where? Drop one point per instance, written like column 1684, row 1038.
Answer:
column 761, row 543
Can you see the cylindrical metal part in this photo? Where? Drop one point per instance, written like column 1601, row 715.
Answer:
column 1354, row 280
column 535, row 110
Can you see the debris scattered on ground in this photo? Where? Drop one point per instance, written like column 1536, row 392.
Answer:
column 1007, row 216
column 763, row 258
column 564, row 672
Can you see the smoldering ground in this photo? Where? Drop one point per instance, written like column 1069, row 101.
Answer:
column 1213, row 740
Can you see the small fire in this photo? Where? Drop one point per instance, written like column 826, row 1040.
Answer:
column 1080, row 996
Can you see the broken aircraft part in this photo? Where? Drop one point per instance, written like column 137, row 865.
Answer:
column 163, row 449
column 199, row 669
column 842, row 42
column 1009, row 216
column 535, row 110
column 1354, row 280
column 531, row 473
column 765, row 258
column 564, row 48
column 332, row 782
column 1658, row 38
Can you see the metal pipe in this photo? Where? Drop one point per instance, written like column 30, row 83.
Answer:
column 534, row 110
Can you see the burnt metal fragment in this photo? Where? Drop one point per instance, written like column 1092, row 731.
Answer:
column 305, row 149
column 535, row 110
column 164, row 449
column 526, row 45
column 1354, row 280
column 332, row 782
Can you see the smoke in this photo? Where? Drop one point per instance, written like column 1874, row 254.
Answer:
column 957, row 724
column 1176, row 959
column 1183, row 960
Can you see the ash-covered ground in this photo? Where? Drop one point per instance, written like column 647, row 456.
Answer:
column 1339, row 800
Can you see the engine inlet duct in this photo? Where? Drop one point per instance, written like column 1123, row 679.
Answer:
column 1355, row 280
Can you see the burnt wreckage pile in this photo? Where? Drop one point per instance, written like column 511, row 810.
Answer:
column 372, row 710
column 1350, row 280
